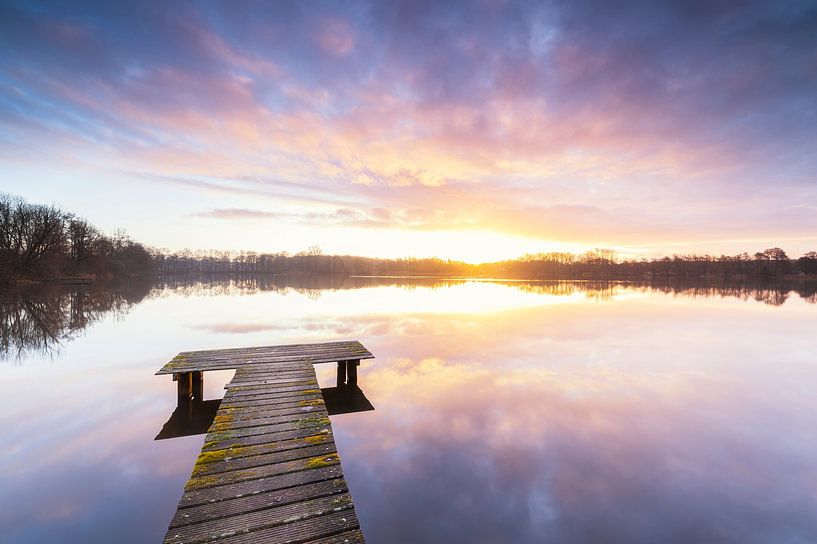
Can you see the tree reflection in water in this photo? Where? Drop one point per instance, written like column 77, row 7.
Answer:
column 772, row 292
column 40, row 319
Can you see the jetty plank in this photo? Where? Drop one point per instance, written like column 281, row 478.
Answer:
column 269, row 470
column 258, row 501
column 227, row 359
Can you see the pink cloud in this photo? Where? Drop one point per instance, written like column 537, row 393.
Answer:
column 335, row 36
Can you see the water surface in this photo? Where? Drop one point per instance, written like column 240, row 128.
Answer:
column 504, row 411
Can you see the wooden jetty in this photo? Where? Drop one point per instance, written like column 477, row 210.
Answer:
column 269, row 470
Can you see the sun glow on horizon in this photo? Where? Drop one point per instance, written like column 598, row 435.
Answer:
column 473, row 247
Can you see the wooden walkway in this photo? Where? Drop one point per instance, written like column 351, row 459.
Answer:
column 269, row 470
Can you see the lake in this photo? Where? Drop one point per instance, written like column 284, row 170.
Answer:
column 503, row 411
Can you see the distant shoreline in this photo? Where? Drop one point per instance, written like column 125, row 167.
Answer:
column 89, row 280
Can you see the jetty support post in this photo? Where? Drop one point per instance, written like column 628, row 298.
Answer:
column 351, row 371
column 342, row 367
column 189, row 385
column 347, row 372
column 197, row 385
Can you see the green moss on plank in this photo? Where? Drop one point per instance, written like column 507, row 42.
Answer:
column 322, row 461
column 223, row 419
column 178, row 360
column 220, row 455
column 200, row 482
column 312, row 422
column 216, row 437
column 342, row 502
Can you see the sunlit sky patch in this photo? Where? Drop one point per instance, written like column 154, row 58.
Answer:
column 475, row 131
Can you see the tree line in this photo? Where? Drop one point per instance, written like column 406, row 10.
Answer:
column 772, row 263
column 46, row 243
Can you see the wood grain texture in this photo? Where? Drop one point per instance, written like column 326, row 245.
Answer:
column 289, row 356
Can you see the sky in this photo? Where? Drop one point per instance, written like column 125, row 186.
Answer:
column 465, row 130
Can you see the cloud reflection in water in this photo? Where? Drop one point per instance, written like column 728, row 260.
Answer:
column 633, row 422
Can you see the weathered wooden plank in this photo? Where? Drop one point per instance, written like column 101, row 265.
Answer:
column 280, row 403
column 344, row 352
column 175, row 366
column 271, row 368
column 241, row 463
column 350, row 537
column 229, row 364
column 271, row 374
column 258, row 501
column 301, row 371
column 282, row 347
column 279, row 356
column 237, row 452
column 266, row 359
column 250, row 411
column 230, row 423
column 246, row 523
column 244, row 373
column 213, row 480
column 252, row 390
column 231, row 358
column 283, row 352
column 258, row 366
column 270, row 393
column 248, row 488
column 239, row 379
column 313, row 423
column 273, row 378
column 269, row 381
column 242, row 406
column 221, row 443
column 300, row 531
column 298, row 398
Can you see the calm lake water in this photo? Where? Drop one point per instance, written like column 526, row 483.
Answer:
column 504, row 412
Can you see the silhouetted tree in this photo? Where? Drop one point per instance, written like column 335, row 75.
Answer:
column 43, row 242
column 807, row 264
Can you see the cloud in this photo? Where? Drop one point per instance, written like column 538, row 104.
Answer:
column 239, row 328
column 336, row 37
column 239, row 213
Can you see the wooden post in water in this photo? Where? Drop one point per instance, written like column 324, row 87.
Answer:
column 351, row 371
column 197, row 386
column 184, row 382
column 341, row 373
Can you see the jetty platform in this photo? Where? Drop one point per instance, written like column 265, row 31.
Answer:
column 269, row 470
